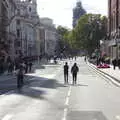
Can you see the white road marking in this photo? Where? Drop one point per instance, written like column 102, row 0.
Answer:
column 65, row 114
column 67, row 103
column 69, row 92
column 8, row 117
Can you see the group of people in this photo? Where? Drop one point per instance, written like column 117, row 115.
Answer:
column 74, row 71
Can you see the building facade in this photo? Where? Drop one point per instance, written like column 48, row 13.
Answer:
column 49, row 36
column 22, row 32
column 27, row 21
column 113, row 29
column 78, row 11
column 7, row 15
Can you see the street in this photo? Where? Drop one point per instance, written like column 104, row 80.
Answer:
column 45, row 97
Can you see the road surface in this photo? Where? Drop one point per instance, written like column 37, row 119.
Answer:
column 46, row 97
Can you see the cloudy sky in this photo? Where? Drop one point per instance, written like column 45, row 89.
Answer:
column 61, row 10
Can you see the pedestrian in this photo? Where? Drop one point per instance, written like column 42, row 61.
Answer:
column 20, row 76
column 26, row 67
column 75, row 58
column 66, row 67
column 119, row 63
column 85, row 58
column 9, row 64
column 30, row 66
column 114, row 62
column 11, row 67
column 74, row 71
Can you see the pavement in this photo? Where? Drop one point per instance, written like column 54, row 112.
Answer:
column 112, row 74
column 7, row 76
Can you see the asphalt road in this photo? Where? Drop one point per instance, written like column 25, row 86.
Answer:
column 45, row 97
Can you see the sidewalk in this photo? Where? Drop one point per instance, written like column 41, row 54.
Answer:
column 115, row 74
column 5, row 76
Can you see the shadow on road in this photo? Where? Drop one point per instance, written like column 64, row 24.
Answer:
column 35, row 87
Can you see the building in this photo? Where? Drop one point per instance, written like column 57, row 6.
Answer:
column 49, row 36
column 27, row 21
column 113, row 43
column 40, row 44
column 78, row 11
column 23, row 33
column 7, row 14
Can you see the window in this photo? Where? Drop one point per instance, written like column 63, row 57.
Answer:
column 30, row 9
column 18, row 33
column 18, row 22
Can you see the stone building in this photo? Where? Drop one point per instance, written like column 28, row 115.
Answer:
column 23, row 33
column 113, row 29
column 7, row 15
column 50, row 36
column 27, row 20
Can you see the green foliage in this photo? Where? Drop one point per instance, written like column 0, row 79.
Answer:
column 62, row 30
column 88, row 32
column 64, row 41
column 91, row 28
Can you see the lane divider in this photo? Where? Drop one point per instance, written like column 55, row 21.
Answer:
column 67, row 103
column 8, row 117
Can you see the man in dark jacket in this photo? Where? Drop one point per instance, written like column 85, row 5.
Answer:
column 30, row 66
column 20, row 76
column 114, row 62
column 74, row 71
column 66, row 67
column 119, row 63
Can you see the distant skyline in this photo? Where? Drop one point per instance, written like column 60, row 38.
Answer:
column 61, row 10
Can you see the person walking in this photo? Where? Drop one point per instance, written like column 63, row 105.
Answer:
column 20, row 76
column 30, row 66
column 85, row 58
column 10, row 67
column 74, row 71
column 119, row 63
column 114, row 62
column 26, row 67
column 66, row 67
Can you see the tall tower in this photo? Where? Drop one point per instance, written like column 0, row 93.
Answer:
column 78, row 11
column 34, row 6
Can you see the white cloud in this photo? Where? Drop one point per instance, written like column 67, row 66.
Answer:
column 61, row 10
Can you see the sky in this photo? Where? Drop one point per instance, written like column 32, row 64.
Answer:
column 61, row 10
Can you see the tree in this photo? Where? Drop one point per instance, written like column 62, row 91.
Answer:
column 91, row 28
column 62, row 30
column 88, row 32
column 63, row 44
